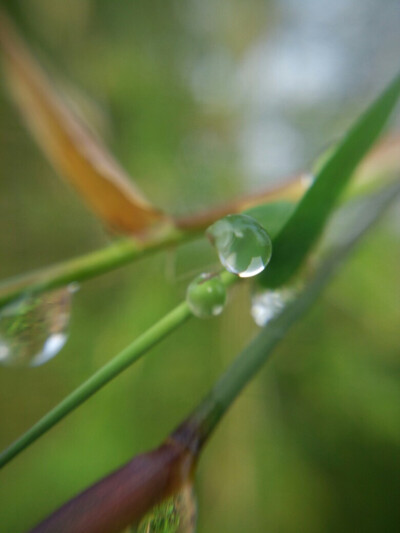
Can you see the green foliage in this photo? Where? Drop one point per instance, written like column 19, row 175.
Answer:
column 249, row 362
column 324, row 421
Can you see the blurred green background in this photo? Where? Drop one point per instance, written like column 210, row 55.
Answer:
column 202, row 101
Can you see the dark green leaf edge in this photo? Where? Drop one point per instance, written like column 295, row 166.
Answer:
column 298, row 235
column 203, row 420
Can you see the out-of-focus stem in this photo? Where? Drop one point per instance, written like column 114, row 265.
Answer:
column 384, row 159
column 109, row 371
column 104, row 375
column 90, row 265
column 202, row 422
column 124, row 496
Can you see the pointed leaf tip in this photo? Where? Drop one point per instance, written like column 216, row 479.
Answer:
column 298, row 235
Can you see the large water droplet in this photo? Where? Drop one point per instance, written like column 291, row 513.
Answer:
column 175, row 515
column 206, row 296
column 33, row 329
column 244, row 247
column 267, row 304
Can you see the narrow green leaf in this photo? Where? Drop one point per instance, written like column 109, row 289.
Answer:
column 211, row 410
column 104, row 375
column 126, row 495
column 294, row 241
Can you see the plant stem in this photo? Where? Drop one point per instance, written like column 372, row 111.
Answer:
column 89, row 265
column 109, row 371
column 126, row 250
column 125, row 495
column 203, row 420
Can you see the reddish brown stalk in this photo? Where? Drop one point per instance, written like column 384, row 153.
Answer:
column 125, row 496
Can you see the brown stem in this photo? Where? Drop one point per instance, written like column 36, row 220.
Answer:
column 126, row 495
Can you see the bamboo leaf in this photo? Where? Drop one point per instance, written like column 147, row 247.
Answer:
column 69, row 145
column 202, row 422
column 126, row 495
column 294, row 241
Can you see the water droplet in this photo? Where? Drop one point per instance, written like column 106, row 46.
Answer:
column 244, row 247
column 267, row 304
column 33, row 329
column 175, row 515
column 206, row 296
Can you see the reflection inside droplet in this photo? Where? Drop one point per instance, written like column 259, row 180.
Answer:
column 244, row 247
column 33, row 329
column 175, row 515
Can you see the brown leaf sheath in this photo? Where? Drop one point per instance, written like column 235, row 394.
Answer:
column 69, row 145
column 124, row 497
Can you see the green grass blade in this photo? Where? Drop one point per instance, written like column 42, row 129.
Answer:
column 295, row 240
column 206, row 416
column 127, row 493
column 104, row 375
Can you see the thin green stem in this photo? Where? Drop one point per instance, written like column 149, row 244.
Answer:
column 125, row 251
column 89, row 265
column 109, row 371
column 201, row 423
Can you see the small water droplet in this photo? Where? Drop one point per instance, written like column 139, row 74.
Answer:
column 206, row 296
column 267, row 304
column 244, row 247
column 175, row 515
column 33, row 329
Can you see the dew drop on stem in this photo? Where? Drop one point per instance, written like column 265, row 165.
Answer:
column 244, row 247
column 206, row 296
column 34, row 328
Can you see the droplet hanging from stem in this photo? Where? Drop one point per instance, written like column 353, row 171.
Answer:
column 243, row 245
column 206, row 296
